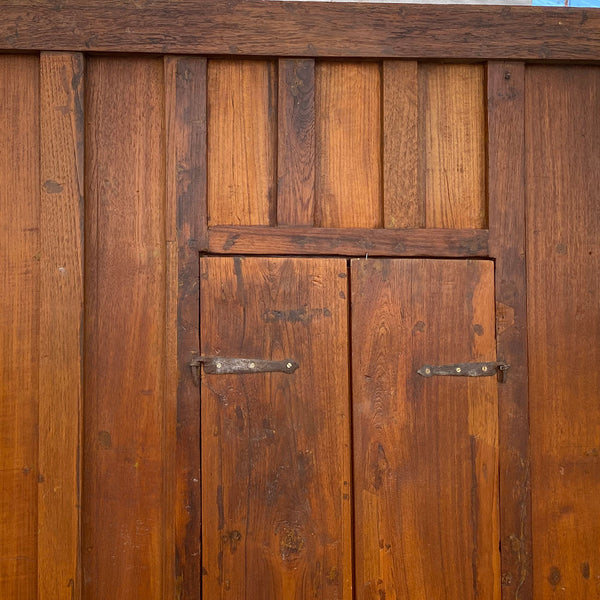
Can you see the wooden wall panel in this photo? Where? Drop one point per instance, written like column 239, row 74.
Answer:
column 19, row 324
column 425, row 449
column 61, row 325
column 276, row 447
column 563, row 263
column 348, row 140
column 242, row 122
column 452, row 145
column 125, row 329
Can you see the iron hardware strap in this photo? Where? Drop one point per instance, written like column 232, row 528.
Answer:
column 219, row 365
column 481, row 369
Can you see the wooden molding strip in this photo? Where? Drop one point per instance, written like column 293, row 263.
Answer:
column 348, row 242
column 304, row 29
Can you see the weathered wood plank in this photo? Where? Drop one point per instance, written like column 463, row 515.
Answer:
column 296, row 142
column 425, row 449
column 61, row 325
column 242, row 117
column 125, row 329
column 348, row 242
column 506, row 181
column 298, row 29
column 562, row 136
column 452, row 139
column 402, row 204
column 348, row 141
column 19, row 324
column 276, row 447
column 185, row 91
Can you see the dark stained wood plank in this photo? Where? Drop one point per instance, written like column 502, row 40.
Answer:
column 19, row 324
column 185, row 92
column 124, row 329
column 276, row 447
column 402, row 204
column 61, row 325
column 242, row 118
column 348, row 142
column 425, row 450
column 296, row 29
column 296, row 142
column 506, row 184
column 562, row 136
column 452, row 139
column 348, row 242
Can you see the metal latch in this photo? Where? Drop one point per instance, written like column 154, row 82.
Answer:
column 481, row 369
column 223, row 366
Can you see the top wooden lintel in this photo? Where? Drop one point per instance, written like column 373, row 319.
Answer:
column 327, row 29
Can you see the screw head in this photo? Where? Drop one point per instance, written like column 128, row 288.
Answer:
column 458, row 369
column 219, row 365
column 428, row 371
column 289, row 365
column 252, row 365
column 484, row 369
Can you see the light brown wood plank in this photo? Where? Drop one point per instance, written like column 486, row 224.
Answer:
column 185, row 91
column 242, row 117
column 562, row 136
column 506, row 177
column 19, row 324
column 125, row 329
column 452, row 139
column 425, row 450
column 296, row 142
column 276, row 447
column 348, row 139
column 61, row 325
column 402, row 204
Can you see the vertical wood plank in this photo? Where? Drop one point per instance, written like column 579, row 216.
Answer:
column 185, row 87
column 506, row 181
column 348, row 141
column 402, row 204
column 125, row 329
column 242, row 127
column 296, row 142
column 276, row 447
column 453, row 145
column 562, row 136
column 425, row 450
column 19, row 324
column 61, row 324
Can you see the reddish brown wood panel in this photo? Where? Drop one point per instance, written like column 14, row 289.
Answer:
column 425, row 449
column 562, row 137
column 125, row 329
column 61, row 325
column 242, row 121
column 296, row 142
column 452, row 145
column 506, row 177
column 276, row 447
column 348, row 140
column 19, row 324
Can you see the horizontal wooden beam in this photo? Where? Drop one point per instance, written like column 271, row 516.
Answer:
column 328, row 29
column 445, row 243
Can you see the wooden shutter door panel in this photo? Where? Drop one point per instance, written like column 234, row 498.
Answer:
column 425, row 450
column 276, row 447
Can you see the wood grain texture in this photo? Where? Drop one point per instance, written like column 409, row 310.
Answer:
column 185, row 92
column 296, row 29
column 506, row 181
column 242, row 117
column 276, row 447
column 452, row 141
column 425, row 450
column 125, row 329
column 348, row 139
column 348, row 242
column 402, row 204
column 19, row 324
column 296, row 142
column 562, row 135
column 61, row 325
